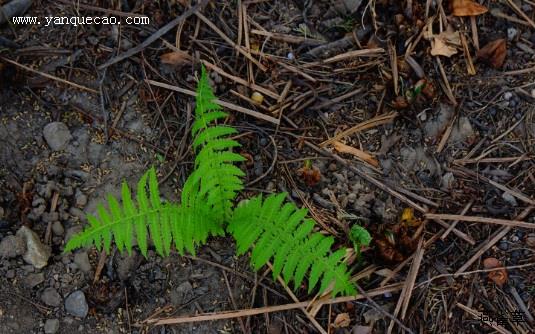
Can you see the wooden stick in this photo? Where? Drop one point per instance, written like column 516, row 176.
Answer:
column 521, row 13
column 49, row 76
column 288, row 38
column 354, row 54
column 485, row 220
column 220, row 102
column 452, row 226
column 152, row 38
column 268, row 309
column 239, row 48
column 240, row 80
column 368, row 124
column 487, row 244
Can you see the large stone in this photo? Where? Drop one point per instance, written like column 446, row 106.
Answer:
column 57, row 135
column 37, row 253
column 75, row 304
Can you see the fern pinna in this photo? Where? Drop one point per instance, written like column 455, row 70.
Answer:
column 281, row 232
column 274, row 229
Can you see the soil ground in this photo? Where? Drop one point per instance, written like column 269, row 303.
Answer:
column 408, row 129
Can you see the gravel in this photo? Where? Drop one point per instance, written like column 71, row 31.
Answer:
column 51, row 326
column 57, row 135
column 12, row 246
column 33, row 280
column 75, row 304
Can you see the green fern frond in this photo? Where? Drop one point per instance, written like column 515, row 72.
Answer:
column 280, row 231
column 146, row 218
column 215, row 180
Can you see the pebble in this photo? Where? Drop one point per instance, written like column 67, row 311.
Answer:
column 51, row 297
column 37, row 253
column 503, row 246
column 57, row 228
column 80, row 200
column 12, row 246
column 82, row 261
column 51, row 326
column 509, row 199
column 10, row 274
column 33, row 280
column 511, row 33
column 507, row 96
column 57, row 135
column 75, row 304
column 182, row 294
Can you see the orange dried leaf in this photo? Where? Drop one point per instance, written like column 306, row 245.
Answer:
column 362, row 155
column 493, row 53
column 175, row 58
column 497, row 276
column 467, row 8
column 407, row 218
column 342, row 320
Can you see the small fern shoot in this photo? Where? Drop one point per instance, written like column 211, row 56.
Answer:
column 280, row 232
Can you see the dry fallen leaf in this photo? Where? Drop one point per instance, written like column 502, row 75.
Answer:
column 387, row 251
column 342, row 320
column 497, row 276
column 362, row 155
column 310, row 174
column 493, row 53
column 467, row 8
column 446, row 43
column 440, row 48
column 407, row 218
column 400, row 103
column 175, row 58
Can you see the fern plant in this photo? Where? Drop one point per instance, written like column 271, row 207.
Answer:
column 274, row 229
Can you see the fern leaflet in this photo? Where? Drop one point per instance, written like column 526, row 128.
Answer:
column 280, row 231
column 215, row 180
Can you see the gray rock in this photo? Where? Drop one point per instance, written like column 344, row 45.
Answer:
column 57, row 135
column 82, row 261
column 51, row 326
column 38, row 211
column 57, row 228
column 48, row 217
column 509, row 199
column 75, row 212
column 51, row 297
column 12, row 246
column 127, row 264
column 33, row 280
column 75, row 304
column 80, row 200
column 37, row 253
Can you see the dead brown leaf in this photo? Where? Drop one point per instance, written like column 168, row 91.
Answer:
column 362, row 155
column 310, row 174
column 497, row 276
column 387, row 251
column 175, row 58
column 467, row 8
column 342, row 320
column 446, row 43
column 493, row 53
column 400, row 103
